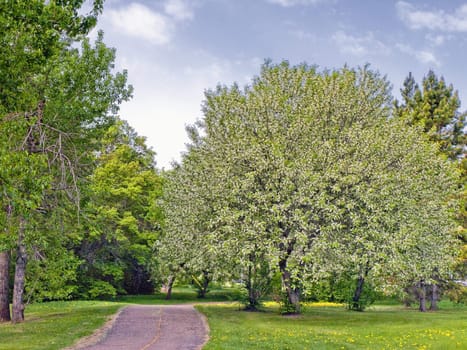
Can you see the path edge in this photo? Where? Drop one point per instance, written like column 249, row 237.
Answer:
column 205, row 322
column 99, row 334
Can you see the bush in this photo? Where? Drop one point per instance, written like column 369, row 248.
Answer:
column 101, row 290
column 457, row 293
column 286, row 307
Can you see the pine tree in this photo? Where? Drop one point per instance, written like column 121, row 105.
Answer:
column 435, row 108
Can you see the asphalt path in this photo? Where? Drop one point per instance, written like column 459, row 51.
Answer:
column 141, row 327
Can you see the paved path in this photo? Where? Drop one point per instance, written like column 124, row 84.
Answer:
column 174, row 327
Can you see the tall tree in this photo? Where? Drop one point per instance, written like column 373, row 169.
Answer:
column 461, row 267
column 435, row 108
column 51, row 112
column 121, row 218
column 184, row 250
column 293, row 162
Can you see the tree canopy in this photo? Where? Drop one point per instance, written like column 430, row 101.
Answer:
column 55, row 102
column 305, row 165
column 435, row 108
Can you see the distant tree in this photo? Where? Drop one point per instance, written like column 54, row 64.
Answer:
column 435, row 108
column 121, row 219
column 184, row 250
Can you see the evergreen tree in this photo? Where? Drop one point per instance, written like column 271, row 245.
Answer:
column 435, row 108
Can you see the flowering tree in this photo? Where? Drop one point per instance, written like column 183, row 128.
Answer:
column 306, row 170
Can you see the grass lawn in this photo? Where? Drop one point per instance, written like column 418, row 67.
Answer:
column 181, row 295
column 55, row 325
column 332, row 327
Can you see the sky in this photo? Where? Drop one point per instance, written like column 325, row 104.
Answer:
column 175, row 50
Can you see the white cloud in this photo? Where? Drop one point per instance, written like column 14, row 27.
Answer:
column 436, row 40
column 137, row 20
column 423, row 56
column 178, row 9
column 359, row 46
column 433, row 20
column 303, row 35
column 427, row 57
column 168, row 97
column 289, row 3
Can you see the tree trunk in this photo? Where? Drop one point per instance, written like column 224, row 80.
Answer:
column 4, row 287
column 170, row 284
column 5, row 314
column 138, row 277
column 293, row 294
column 252, row 295
column 434, row 297
column 422, row 296
column 332, row 283
column 357, row 294
column 203, row 290
column 411, row 295
column 20, row 277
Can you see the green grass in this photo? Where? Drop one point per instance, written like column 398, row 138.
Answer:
column 326, row 327
column 182, row 295
column 55, row 325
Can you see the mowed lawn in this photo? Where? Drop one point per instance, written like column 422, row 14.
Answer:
column 182, row 295
column 55, row 325
column 332, row 327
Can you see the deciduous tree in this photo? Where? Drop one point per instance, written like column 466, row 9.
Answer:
column 301, row 161
column 54, row 102
column 121, row 218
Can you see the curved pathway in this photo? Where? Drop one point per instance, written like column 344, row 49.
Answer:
column 140, row 327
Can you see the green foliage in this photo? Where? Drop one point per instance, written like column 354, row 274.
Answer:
column 55, row 102
column 51, row 277
column 435, row 107
column 183, row 250
column 461, row 232
column 257, row 279
column 101, row 290
column 366, row 299
column 308, row 171
column 122, row 217
column 341, row 289
column 286, row 307
column 457, row 293
column 201, row 283
column 185, row 294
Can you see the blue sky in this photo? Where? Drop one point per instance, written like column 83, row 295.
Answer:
column 175, row 49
